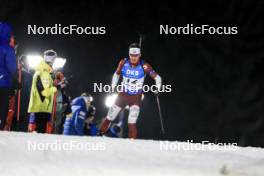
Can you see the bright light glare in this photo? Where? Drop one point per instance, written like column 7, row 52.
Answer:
column 91, row 99
column 110, row 100
column 33, row 61
column 58, row 63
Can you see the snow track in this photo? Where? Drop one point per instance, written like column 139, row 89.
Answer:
column 24, row 154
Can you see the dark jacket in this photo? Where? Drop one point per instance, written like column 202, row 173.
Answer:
column 8, row 64
column 74, row 123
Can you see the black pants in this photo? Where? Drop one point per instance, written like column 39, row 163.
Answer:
column 4, row 97
column 41, row 121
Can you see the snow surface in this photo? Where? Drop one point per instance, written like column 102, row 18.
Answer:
column 108, row 156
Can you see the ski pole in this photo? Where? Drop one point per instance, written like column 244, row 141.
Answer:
column 160, row 115
column 19, row 91
column 140, row 41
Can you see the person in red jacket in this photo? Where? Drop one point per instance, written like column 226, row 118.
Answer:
column 133, row 71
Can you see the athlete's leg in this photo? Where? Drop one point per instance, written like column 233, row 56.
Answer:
column 132, row 120
column 111, row 115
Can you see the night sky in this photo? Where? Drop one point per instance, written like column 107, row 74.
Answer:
column 217, row 80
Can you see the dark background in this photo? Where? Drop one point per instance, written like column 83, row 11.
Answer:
column 217, row 80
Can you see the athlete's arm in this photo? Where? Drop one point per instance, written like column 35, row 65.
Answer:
column 117, row 73
column 149, row 70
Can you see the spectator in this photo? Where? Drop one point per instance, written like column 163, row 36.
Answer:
column 82, row 113
column 42, row 93
column 8, row 69
column 62, row 101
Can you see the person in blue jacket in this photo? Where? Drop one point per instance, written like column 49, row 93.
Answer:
column 82, row 111
column 8, row 67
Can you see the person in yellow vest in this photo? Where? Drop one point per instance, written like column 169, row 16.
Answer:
column 42, row 93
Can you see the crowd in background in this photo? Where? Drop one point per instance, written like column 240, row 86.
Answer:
column 50, row 109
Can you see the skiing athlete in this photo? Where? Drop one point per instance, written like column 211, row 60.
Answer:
column 133, row 71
